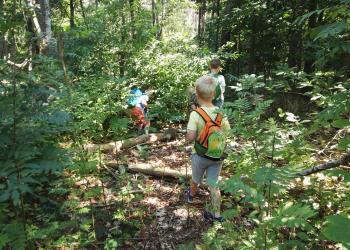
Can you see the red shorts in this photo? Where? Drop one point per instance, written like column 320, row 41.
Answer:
column 138, row 116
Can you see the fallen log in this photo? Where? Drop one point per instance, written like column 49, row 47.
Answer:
column 154, row 170
column 117, row 146
column 345, row 159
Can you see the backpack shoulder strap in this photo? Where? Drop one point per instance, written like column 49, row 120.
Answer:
column 203, row 114
column 218, row 119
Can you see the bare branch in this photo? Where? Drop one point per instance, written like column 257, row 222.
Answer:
column 345, row 159
column 19, row 65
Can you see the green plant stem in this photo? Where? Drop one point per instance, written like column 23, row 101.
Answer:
column 270, row 182
column 255, row 146
column 14, row 141
column 103, row 186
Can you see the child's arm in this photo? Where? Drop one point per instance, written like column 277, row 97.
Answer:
column 191, row 135
column 222, row 84
column 192, row 128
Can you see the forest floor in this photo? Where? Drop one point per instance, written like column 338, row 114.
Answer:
column 150, row 212
column 173, row 222
column 142, row 211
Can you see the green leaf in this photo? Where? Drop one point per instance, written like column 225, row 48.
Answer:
column 15, row 197
column 230, row 213
column 338, row 229
column 341, row 123
column 344, row 144
column 4, row 239
column 4, row 196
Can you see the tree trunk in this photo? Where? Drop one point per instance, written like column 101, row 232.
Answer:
column 295, row 40
column 96, row 3
column 161, row 23
column 154, row 13
column 122, row 52
column 201, row 20
column 3, row 42
column 83, row 13
column 71, row 17
column 154, row 170
column 252, row 53
column 32, row 44
column 217, row 25
column 48, row 44
column 132, row 18
column 60, row 46
column 226, row 31
column 117, row 146
column 309, row 57
column 238, row 48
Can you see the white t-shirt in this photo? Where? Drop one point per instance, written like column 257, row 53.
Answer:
column 221, row 80
column 142, row 101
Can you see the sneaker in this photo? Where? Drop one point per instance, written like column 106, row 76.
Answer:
column 189, row 197
column 208, row 216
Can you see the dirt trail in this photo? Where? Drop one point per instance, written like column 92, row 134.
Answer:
column 174, row 221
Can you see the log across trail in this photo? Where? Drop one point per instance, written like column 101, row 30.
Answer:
column 154, row 170
column 117, row 146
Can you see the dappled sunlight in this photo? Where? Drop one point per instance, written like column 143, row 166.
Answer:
column 174, row 124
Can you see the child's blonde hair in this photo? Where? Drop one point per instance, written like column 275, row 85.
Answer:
column 205, row 87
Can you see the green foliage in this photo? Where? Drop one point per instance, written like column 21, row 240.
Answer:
column 338, row 229
column 286, row 65
column 30, row 155
column 170, row 67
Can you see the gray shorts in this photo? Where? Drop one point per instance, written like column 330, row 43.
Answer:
column 200, row 165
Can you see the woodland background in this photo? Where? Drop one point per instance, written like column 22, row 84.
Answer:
column 66, row 67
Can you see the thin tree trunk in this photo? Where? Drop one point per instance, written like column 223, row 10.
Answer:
column 60, row 47
column 226, row 31
column 96, row 3
column 47, row 40
column 295, row 40
column 34, row 17
column 161, row 23
column 252, row 53
column 122, row 53
column 32, row 44
column 2, row 37
column 238, row 66
column 201, row 20
column 309, row 54
column 132, row 18
column 154, row 13
column 217, row 25
column 83, row 13
column 71, row 17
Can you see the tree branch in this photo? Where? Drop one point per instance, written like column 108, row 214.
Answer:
column 19, row 65
column 345, row 159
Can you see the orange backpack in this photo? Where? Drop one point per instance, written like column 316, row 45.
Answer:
column 211, row 141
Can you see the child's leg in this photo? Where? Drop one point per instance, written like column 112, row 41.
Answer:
column 213, row 173
column 194, row 188
column 215, row 200
column 199, row 165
